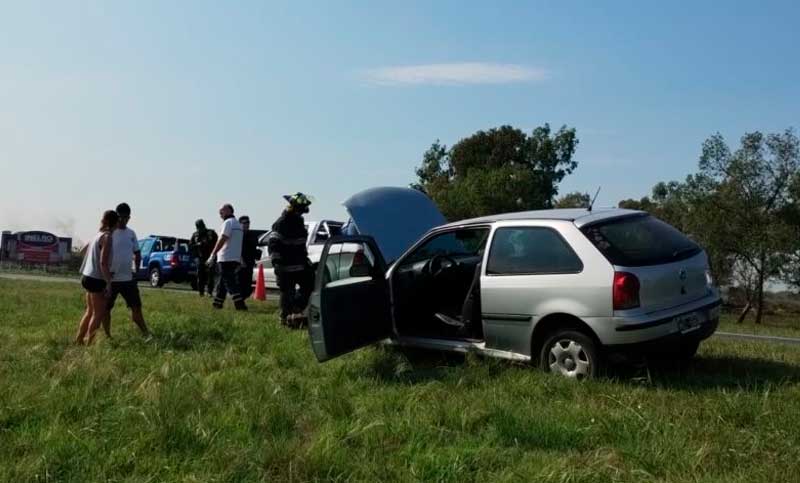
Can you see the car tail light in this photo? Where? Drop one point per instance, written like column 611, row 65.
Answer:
column 626, row 291
column 173, row 261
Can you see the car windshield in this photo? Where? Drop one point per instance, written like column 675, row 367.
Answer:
column 638, row 241
column 335, row 229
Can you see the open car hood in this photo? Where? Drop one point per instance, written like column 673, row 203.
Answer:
column 395, row 217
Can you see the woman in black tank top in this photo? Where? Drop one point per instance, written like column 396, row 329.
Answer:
column 97, row 289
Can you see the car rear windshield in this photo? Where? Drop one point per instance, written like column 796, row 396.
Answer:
column 640, row 240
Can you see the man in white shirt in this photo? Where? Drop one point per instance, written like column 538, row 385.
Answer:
column 124, row 251
column 227, row 254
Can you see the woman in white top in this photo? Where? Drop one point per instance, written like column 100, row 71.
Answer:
column 96, row 278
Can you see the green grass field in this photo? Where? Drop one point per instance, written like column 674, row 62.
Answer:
column 224, row 396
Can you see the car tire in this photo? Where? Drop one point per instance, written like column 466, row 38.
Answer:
column 156, row 280
column 193, row 283
column 570, row 353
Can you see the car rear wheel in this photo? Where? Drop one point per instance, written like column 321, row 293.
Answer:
column 571, row 354
column 155, row 278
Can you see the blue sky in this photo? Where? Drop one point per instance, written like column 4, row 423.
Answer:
column 176, row 107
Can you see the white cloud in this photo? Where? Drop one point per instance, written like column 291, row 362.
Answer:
column 454, row 74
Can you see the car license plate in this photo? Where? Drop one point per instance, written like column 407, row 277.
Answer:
column 688, row 322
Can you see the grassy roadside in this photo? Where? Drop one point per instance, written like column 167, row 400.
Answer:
column 223, row 396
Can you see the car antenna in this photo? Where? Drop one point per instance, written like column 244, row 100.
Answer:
column 589, row 209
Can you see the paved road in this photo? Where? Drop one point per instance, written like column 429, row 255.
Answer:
column 62, row 279
column 37, row 278
column 766, row 338
column 185, row 288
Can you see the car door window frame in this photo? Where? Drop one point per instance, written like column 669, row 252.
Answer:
column 403, row 259
column 492, row 240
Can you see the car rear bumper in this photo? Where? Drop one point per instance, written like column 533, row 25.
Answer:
column 671, row 341
column 692, row 321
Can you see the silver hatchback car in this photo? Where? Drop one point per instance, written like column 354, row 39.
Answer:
column 563, row 289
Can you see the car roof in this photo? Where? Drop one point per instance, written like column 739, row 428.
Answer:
column 580, row 216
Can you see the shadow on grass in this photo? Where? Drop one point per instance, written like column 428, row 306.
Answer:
column 404, row 365
column 413, row 366
column 709, row 373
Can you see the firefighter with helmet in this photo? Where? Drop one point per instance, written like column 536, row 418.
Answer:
column 289, row 256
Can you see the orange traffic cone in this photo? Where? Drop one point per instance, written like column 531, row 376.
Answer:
column 261, row 289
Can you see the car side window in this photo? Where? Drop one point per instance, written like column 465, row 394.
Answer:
column 531, row 251
column 145, row 246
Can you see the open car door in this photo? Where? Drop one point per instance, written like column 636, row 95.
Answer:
column 350, row 307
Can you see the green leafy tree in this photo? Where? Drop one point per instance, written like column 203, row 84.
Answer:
column 752, row 197
column 742, row 207
column 496, row 171
column 575, row 199
column 790, row 270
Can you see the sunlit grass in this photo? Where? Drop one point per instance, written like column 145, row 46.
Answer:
column 227, row 396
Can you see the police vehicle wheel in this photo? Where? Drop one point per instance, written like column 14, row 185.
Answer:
column 155, row 278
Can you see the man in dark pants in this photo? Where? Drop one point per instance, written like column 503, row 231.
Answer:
column 201, row 245
column 287, row 250
column 250, row 254
column 227, row 255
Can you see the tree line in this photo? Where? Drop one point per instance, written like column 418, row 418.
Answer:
column 742, row 205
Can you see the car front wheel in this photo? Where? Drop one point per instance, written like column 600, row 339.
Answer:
column 571, row 354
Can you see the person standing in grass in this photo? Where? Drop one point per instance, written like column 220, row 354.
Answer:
column 250, row 254
column 96, row 278
column 289, row 255
column 227, row 256
column 201, row 245
column 125, row 250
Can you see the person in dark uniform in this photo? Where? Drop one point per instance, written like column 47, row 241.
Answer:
column 287, row 250
column 201, row 244
column 250, row 255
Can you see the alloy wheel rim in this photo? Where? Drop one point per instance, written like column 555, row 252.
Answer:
column 568, row 358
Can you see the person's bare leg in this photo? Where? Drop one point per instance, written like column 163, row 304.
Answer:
column 99, row 301
column 83, row 327
column 138, row 319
